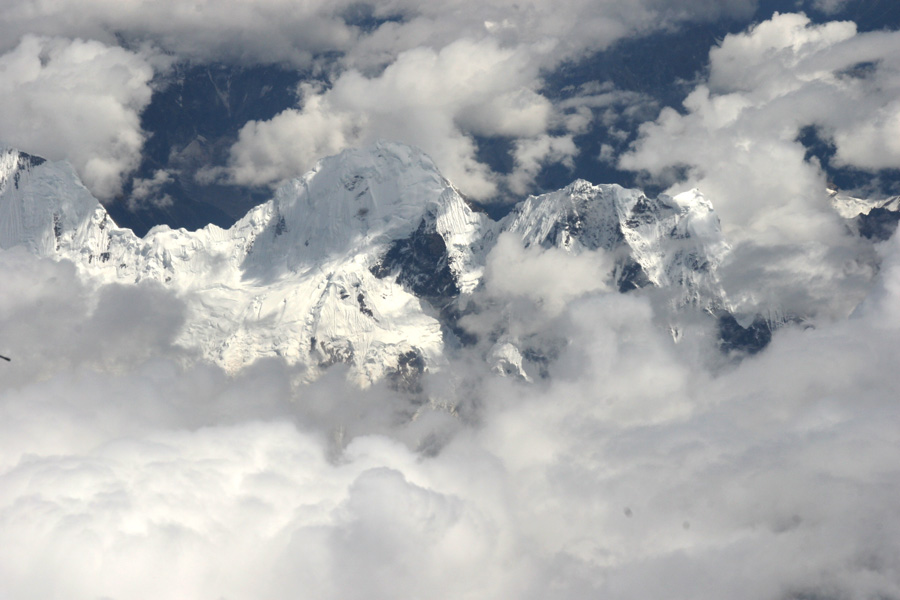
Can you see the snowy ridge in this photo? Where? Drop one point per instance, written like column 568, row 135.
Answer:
column 360, row 261
column 293, row 278
column 666, row 241
column 849, row 207
column 44, row 207
column 872, row 219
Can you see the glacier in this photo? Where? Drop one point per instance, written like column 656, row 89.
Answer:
column 367, row 260
column 294, row 278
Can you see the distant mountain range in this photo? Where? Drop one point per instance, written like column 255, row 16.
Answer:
column 373, row 259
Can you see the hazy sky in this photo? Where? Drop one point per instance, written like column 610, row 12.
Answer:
column 639, row 469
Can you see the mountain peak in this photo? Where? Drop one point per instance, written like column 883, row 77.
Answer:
column 356, row 199
column 659, row 241
column 45, row 207
column 359, row 261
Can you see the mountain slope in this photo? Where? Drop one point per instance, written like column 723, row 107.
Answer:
column 872, row 219
column 663, row 241
column 367, row 260
column 297, row 277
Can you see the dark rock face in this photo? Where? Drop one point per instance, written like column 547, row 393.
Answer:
column 630, row 276
column 450, row 315
column 880, row 224
column 408, row 376
column 24, row 163
column 363, row 307
column 29, row 160
column 743, row 340
column 280, row 226
column 334, row 353
column 645, row 211
column 421, row 264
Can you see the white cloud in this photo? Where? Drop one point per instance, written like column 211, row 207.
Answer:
column 275, row 31
column 268, row 31
column 50, row 320
column 290, row 143
column 76, row 100
column 873, row 144
column 436, row 100
column 432, row 75
column 148, row 190
column 531, row 155
column 576, row 26
column 736, row 140
column 632, row 472
column 440, row 101
column 553, row 278
column 764, row 86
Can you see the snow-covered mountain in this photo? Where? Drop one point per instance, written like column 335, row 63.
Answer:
column 664, row 241
column 315, row 275
column 873, row 219
column 364, row 260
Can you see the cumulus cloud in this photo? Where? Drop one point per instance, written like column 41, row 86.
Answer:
column 269, row 31
column 737, row 139
column 554, row 278
column 275, row 31
column 530, row 155
column 436, row 100
column 52, row 321
column 77, row 100
column 631, row 471
column 765, row 85
column 436, row 75
column 149, row 190
column 445, row 75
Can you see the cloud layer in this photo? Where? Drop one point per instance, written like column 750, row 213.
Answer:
column 77, row 100
column 763, row 87
column 737, row 141
column 274, row 31
column 638, row 468
column 632, row 471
